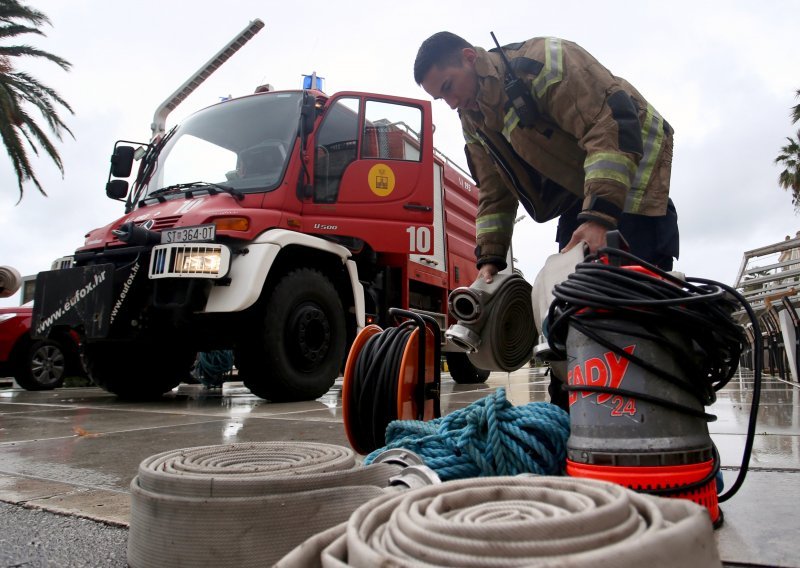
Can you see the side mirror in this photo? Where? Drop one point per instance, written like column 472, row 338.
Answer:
column 117, row 189
column 122, row 161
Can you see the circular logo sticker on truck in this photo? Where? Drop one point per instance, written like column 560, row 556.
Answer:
column 381, row 180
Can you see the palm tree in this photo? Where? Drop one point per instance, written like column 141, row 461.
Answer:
column 789, row 178
column 19, row 89
column 796, row 110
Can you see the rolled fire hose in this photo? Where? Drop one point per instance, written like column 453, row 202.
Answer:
column 495, row 322
column 242, row 505
column 517, row 521
column 10, row 281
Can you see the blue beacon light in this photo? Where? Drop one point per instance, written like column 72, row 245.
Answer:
column 313, row 82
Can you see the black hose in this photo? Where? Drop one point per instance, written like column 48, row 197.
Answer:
column 699, row 309
column 373, row 396
column 758, row 362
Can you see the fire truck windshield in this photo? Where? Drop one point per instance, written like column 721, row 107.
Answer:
column 243, row 144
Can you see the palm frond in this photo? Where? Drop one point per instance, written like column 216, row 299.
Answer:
column 789, row 178
column 11, row 10
column 33, row 133
column 27, row 50
column 13, row 30
column 796, row 110
column 25, row 83
column 19, row 131
column 19, row 158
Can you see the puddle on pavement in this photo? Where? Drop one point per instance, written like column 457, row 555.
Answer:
column 39, row 469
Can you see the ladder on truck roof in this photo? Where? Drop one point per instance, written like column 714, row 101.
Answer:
column 158, row 126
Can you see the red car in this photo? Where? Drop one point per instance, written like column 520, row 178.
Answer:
column 35, row 364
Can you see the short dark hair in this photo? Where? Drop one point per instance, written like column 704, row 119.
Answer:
column 442, row 49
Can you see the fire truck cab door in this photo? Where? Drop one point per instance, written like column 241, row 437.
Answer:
column 373, row 173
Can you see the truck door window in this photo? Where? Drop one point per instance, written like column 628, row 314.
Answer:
column 337, row 141
column 391, row 131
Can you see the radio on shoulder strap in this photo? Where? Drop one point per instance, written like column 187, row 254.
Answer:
column 519, row 95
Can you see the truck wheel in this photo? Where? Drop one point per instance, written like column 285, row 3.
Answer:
column 298, row 351
column 42, row 366
column 135, row 371
column 463, row 371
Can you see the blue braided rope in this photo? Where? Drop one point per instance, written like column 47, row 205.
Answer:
column 212, row 368
column 487, row 438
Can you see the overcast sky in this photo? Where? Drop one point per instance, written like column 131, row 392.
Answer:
column 723, row 74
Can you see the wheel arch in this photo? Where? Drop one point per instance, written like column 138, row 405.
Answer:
column 20, row 349
column 69, row 339
column 271, row 253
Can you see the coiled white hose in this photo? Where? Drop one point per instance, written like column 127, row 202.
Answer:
column 242, row 505
column 517, row 521
column 10, row 281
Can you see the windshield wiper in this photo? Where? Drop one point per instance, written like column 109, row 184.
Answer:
column 148, row 168
column 211, row 188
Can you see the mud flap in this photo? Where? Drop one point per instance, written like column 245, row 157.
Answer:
column 74, row 297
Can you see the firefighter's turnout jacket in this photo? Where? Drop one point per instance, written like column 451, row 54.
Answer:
column 594, row 137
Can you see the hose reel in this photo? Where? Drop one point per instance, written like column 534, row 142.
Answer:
column 495, row 322
column 391, row 374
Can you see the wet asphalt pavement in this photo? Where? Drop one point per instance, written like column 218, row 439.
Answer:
column 67, row 458
column 36, row 538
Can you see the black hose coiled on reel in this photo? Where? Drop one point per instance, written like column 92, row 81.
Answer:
column 374, row 388
column 699, row 309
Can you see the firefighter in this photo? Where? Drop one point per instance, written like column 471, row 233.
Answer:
column 548, row 126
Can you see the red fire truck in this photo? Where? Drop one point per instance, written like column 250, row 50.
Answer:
column 276, row 225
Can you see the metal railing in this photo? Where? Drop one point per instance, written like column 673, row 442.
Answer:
column 769, row 279
column 769, row 273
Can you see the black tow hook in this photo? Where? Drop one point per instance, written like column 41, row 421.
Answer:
column 136, row 235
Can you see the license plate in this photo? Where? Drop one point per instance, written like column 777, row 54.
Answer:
column 189, row 234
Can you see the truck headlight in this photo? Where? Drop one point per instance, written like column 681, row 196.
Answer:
column 204, row 262
column 190, row 261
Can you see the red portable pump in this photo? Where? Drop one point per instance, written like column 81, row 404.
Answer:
column 646, row 352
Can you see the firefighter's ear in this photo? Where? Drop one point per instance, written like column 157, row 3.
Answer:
column 469, row 55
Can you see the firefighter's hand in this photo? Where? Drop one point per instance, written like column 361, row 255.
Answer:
column 487, row 272
column 593, row 234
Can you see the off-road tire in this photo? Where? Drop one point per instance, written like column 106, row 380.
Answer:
column 134, row 371
column 297, row 349
column 41, row 366
column 463, row 371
